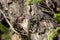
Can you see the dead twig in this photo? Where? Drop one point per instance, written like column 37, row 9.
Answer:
column 8, row 21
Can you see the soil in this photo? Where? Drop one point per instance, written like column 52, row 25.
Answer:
column 32, row 22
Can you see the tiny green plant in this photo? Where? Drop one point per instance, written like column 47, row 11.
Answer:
column 33, row 2
column 57, row 17
column 3, row 28
column 53, row 33
column 5, row 32
column 6, row 36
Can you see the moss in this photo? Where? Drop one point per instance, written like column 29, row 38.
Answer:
column 5, row 32
column 3, row 28
column 57, row 17
column 6, row 36
column 53, row 34
column 33, row 2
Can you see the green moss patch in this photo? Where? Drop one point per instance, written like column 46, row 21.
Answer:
column 54, row 33
column 57, row 17
column 33, row 2
column 5, row 32
column 3, row 28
